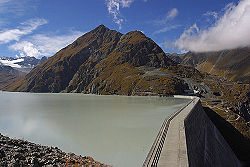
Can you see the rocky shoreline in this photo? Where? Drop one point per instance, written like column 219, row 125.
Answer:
column 21, row 153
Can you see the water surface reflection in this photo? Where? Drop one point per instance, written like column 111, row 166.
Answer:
column 116, row 130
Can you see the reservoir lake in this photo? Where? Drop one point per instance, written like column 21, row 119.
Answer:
column 115, row 130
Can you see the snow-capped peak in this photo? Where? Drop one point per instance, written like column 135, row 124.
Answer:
column 12, row 63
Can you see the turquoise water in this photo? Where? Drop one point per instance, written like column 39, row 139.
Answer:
column 116, row 130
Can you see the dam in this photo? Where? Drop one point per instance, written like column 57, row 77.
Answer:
column 189, row 138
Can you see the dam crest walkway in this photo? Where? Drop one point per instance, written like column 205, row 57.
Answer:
column 189, row 138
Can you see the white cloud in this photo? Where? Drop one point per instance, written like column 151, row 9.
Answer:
column 172, row 14
column 165, row 29
column 212, row 13
column 169, row 16
column 11, row 63
column 168, row 45
column 49, row 45
column 230, row 31
column 114, row 9
column 44, row 44
column 25, row 28
column 26, row 49
column 126, row 3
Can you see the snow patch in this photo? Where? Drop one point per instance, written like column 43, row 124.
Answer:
column 12, row 63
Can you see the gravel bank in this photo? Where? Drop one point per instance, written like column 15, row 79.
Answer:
column 21, row 153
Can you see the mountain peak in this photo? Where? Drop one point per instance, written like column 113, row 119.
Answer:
column 96, row 58
column 101, row 28
column 133, row 37
column 136, row 33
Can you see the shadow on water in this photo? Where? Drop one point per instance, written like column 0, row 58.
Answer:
column 239, row 144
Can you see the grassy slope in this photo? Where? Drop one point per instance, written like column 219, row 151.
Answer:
column 232, row 64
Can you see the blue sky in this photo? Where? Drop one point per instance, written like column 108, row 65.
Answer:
column 42, row 27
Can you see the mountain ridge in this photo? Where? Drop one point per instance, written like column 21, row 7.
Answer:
column 229, row 64
column 100, row 59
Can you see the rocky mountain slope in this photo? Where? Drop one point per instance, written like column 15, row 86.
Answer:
column 230, row 64
column 104, row 61
column 8, row 75
column 12, row 69
column 227, row 80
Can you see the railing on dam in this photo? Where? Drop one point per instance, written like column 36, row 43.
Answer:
column 189, row 138
column 155, row 151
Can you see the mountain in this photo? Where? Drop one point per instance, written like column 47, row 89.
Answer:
column 230, row 64
column 104, row 61
column 12, row 69
column 23, row 64
column 8, row 75
column 227, row 76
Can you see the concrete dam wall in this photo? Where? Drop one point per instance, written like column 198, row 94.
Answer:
column 205, row 144
column 189, row 138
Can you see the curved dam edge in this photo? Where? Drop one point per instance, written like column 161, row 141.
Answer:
column 189, row 138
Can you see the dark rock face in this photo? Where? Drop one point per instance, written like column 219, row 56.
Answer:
column 243, row 108
column 18, row 153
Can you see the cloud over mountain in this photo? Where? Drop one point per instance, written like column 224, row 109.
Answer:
column 114, row 9
column 24, row 29
column 166, row 29
column 229, row 31
column 44, row 44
